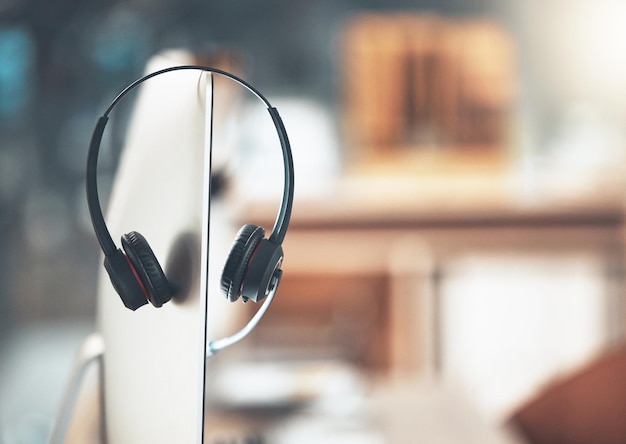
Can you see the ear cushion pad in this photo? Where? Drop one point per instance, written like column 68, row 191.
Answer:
column 244, row 246
column 147, row 266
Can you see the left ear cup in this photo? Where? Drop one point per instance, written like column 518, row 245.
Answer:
column 147, row 267
column 122, row 275
column 247, row 240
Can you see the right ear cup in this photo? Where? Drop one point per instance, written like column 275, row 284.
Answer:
column 147, row 267
column 247, row 240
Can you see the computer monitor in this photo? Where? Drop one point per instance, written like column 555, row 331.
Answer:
column 154, row 359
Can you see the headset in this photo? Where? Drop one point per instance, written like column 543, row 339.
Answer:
column 252, row 269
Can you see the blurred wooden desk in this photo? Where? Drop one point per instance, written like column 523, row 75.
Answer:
column 385, row 242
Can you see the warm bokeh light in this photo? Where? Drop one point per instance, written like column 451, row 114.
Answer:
column 590, row 48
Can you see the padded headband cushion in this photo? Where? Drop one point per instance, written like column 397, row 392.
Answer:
column 147, row 267
column 246, row 241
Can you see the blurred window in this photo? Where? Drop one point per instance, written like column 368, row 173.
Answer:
column 16, row 53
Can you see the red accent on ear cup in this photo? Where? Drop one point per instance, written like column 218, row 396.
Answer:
column 125, row 280
column 147, row 267
column 247, row 240
column 139, row 281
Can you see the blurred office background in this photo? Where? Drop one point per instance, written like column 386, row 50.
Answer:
column 457, row 243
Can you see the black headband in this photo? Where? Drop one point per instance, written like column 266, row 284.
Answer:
column 93, row 201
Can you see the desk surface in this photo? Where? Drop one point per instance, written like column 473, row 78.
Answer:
column 386, row 201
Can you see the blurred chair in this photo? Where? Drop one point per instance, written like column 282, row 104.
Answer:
column 586, row 407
